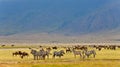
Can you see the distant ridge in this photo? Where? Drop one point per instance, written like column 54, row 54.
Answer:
column 65, row 18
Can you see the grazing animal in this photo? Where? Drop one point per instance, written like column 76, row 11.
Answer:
column 77, row 53
column 3, row 45
column 54, row 47
column 112, row 47
column 78, row 47
column 99, row 48
column 88, row 53
column 17, row 53
column 20, row 53
column 44, row 53
column 35, row 54
column 68, row 50
column 24, row 54
column 58, row 53
column 48, row 49
column 12, row 45
column 40, row 54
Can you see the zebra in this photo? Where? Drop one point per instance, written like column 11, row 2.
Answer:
column 44, row 53
column 39, row 54
column 77, row 53
column 35, row 54
column 88, row 53
column 58, row 53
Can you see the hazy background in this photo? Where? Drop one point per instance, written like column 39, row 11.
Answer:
column 59, row 20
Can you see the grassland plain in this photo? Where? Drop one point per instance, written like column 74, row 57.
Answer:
column 104, row 58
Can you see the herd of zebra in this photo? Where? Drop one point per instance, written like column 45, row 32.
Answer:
column 82, row 51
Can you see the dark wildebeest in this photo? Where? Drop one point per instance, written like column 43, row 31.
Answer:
column 99, row 48
column 48, row 49
column 20, row 53
column 54, row 47
column 77, row 53
column 68, row 50
column 88, row 53
column 24, row 54
column 58, row 53
column 12, row 45
column 3, row 45
column 17, row 53
column 78, row 47
column 112, row 47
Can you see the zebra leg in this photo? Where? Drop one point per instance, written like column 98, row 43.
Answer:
column 80, row 55
column 59, row 56
column 87, row 56
column 83, row 56
column 48, row 56
column 53, row 56
column 94, row 55
column 43, row 57
column 37, row 58
column 34, row 57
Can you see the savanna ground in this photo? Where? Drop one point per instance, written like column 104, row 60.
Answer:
column 104, row 58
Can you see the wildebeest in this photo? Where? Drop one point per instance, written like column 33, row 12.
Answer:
column 17, row 53
column 3, row 45
column 77, row 53
column 24, row 54
column 78, row 47
column 68, row 50
column 58, row 53
column 12, row 45
column 88, row 53
column 48, row 49
column 20, row 53
column 99, row 48
column 112, row 47
column 54, row 47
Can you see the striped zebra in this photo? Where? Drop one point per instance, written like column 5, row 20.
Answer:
column 45, row 53
column 88, row 53
column 58, row 53
column 35, row 54
column 39, row 54
column 77, row 53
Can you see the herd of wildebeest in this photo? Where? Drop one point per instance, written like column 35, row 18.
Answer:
column 80, row 50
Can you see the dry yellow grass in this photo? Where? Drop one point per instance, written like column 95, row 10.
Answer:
column 104, row 58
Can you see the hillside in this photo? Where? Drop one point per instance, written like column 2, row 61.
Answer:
column 62, row 18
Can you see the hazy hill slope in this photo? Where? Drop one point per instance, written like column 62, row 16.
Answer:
column 58, row 16
column 105, row 19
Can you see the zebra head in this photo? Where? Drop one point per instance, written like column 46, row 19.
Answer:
column 62, row 52
column 33, row 51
